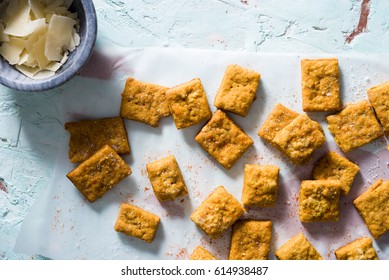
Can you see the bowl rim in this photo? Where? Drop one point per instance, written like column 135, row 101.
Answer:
column 71, row 71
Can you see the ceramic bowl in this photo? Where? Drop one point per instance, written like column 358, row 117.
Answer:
column 12, row 78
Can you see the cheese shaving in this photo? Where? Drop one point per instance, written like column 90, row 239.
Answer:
column 37, row 35
column 59, row 36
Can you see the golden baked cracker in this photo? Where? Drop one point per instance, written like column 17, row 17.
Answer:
column 199, row 253
column 355, row 126
column 136, row 222
column 319, row 200
column 250, row 240
column 360, row 249
column 88, row 136
column 379, row 99
column 144, row 102
column 217, row 212
column 260, row 185
column 320, row 85
column 188, row 104
column 99, row 173
column 237, row 90
column 336, row 167
column 280, row 117
column 298, row 248
column 300, row 139
column 223, row 139
column 373, row 206
column 166, row 178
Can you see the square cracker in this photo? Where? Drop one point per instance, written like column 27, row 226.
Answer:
column 336, row 167
column 360, row 249
column 166, row 178
column 373, row 206
column 250, row 240
column 260, row 185
column 136, row 222
column 237, row 90
column 223, row 139
column 217, row 212
column 379, row 99
column 199, row 253
column 144, row 102
column 99, row 173
column 355, row 126
column 188, row 104
column 320, row 85
column 298, row 248
column 280, row 117
column 319, row 200
column 88, row 136
column 300, row 139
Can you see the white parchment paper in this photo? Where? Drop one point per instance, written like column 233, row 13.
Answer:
column 63, row 225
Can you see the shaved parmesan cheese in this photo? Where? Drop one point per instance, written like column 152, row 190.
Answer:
column 34, row 37
column 36, row 26
column 37, row 8
column 12, row 49
column 39, row 49
column 28, row 71
column 37, row 35
column 17, row 23
column 64, row 58
column 53, row 66
column 31, row 60
column 74, row 41
column 58, row 36
column 43, row 74
column 76, row 37
column 23, row 58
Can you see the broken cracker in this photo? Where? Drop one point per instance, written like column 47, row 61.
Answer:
column 88, row 136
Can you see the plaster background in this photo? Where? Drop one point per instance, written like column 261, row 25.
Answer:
column 29, row 126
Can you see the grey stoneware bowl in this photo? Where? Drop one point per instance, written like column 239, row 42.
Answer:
column 12, row 78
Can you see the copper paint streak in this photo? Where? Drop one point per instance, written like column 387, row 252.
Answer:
column 3, row 187
column 362, row 24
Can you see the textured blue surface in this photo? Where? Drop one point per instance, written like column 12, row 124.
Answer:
column 30, row 130
column 11, row 77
